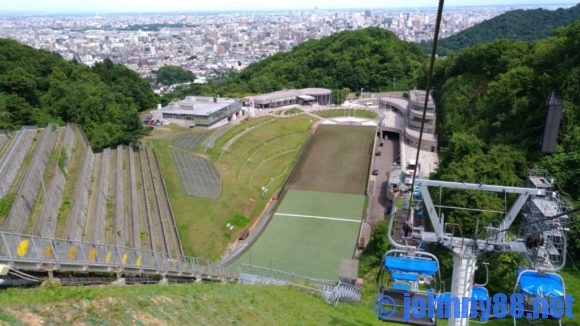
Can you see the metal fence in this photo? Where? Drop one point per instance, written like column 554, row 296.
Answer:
column 332, row 292
column 34, row 253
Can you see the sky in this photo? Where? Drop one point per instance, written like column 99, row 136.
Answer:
column 137, row 6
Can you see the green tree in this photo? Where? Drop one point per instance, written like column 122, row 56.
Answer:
column 170, row 75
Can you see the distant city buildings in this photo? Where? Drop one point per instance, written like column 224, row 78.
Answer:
column 212, row 45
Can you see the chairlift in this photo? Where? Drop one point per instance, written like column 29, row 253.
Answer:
column 416, row 193
column 413, row 272
column 540, row 288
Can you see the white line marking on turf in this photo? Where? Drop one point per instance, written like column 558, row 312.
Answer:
column 319, row 217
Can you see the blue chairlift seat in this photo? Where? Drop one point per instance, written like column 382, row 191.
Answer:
column 416, row 193
column 539, row 284
column 400, row 276
column 402, row 286
column 411, row 265
column 480, row 293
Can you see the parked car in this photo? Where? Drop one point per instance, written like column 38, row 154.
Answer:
column 378, row 153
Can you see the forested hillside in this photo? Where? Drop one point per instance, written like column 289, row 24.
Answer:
column 523, row 25
column 169, row 75
column 492, row 111
column 368, row 58
column 38, row 87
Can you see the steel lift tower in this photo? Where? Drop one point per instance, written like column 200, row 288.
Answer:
column 543, row 242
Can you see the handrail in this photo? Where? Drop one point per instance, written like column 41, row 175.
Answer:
column 29, row 252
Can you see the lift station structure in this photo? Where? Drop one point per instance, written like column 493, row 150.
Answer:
column 542, row 230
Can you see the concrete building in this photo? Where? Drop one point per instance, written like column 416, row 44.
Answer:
column 322, row 96
column 411, row 112
column 203, row 111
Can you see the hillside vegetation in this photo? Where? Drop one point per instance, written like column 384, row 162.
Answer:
column 38, row 87
column 523, row 25
column 199, row 304
column 491, row 117
column 368, row 58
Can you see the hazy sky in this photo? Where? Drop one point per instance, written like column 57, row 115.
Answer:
column 102, row 6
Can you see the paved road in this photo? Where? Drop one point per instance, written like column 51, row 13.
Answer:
column 378, row 184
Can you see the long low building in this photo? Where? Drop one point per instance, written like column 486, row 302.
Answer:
column 321, row 96
column 203, row 111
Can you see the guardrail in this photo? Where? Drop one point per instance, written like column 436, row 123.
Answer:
column 34, row 253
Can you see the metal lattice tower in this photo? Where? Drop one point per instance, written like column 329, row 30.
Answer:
column 543, row 241
column 545, row 238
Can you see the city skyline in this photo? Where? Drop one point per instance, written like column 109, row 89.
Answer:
column 148, row 6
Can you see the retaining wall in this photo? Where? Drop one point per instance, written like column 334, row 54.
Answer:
column 32, row 183
column 13, row 157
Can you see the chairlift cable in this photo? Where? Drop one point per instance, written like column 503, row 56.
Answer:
column 427, row 91
column 568, row 212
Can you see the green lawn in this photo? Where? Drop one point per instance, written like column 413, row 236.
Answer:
column 261, row 157
column 346, row 113
column 308, row 245
column 293, row 111
column 199, row 304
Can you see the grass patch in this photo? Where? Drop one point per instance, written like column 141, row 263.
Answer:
column 73, row 169
column 200, row 221
column 6, row 204
column 247, row 123
column 62, row 160
column 347, row 113
column 293, row 111
column 239, row 220
column 201, row 304
column 189, row 304
column 337, row 160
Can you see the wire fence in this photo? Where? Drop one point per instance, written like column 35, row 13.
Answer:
column 332, row 292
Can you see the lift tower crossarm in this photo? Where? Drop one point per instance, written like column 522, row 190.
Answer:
column 481, row 186
column 524, row 193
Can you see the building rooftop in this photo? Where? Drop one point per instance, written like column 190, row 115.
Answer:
column 278, row 95
column 315, row 91
column 418, row 96
column 288, row 94
column 198, row 105
column 401, row 103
